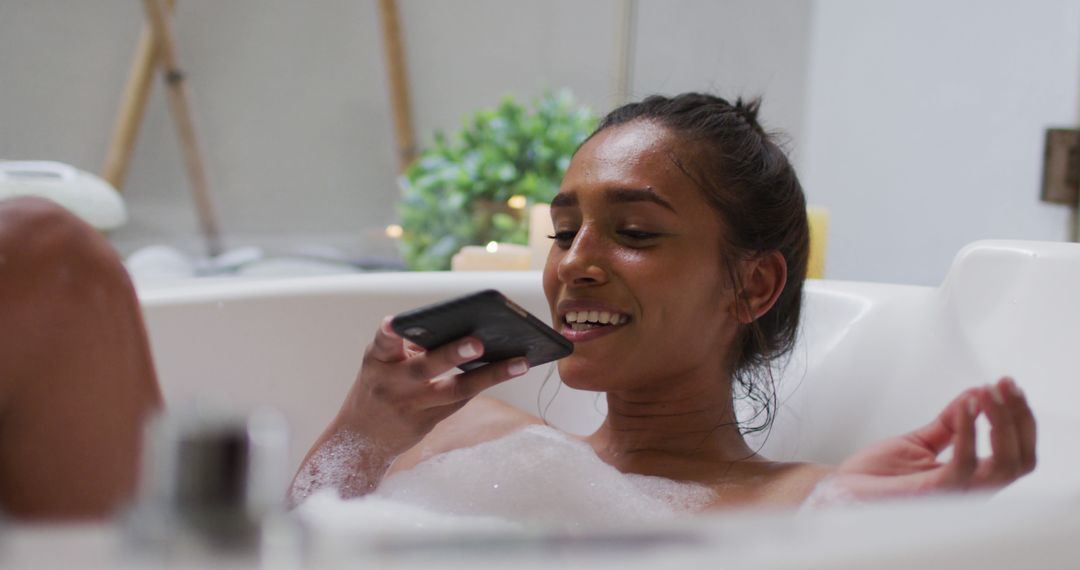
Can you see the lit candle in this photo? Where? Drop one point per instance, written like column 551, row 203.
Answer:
column 819, row 237
column 492, row 257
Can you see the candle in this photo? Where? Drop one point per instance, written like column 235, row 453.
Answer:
column 539, row 229
column 491, row 257
column 819, row 236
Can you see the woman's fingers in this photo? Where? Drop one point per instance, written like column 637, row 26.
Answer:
column 387, row 346
column 402, row 391
column 430, row 387
column 1024, row 418
column 938, row 434
column 1004, row 465
column 964, row 459
column 435, row 363
column 390, row 348
column 465, row 386
column 1012, row 436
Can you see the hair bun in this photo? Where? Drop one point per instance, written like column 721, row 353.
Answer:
column 748, row 111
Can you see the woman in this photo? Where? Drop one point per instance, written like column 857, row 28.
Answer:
column 678, row 215
column 679, row 252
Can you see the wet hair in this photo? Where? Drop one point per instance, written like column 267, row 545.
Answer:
column 745, row 175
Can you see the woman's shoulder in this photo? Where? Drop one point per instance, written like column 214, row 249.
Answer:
column 771, row 484
column 483, row 419
column 795, row 481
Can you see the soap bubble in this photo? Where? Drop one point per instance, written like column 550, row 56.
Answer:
column 540, row 475
column 537, row 477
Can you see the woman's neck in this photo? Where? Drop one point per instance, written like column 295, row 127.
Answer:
column 670, row 431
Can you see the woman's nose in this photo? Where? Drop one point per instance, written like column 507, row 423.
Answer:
column 582, row 264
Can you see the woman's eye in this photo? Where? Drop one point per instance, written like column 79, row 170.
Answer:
column 638, row 235
column 563, row 238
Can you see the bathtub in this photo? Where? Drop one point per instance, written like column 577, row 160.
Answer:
column 872, row 360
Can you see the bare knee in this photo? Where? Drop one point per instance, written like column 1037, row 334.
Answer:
column 76, row 378
column 23, row 214
column 57, row 275
column 43, row 245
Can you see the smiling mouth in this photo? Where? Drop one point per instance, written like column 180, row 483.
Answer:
column 589, row 320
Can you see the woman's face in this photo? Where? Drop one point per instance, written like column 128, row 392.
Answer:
column 635, row 276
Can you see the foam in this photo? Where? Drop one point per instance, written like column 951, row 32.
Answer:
column 537, row 477
column 330, row 466
column 540, row 475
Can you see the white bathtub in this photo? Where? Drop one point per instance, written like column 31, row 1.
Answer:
column 873, row 360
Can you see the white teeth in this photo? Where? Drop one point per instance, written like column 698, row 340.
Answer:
column 595, row 317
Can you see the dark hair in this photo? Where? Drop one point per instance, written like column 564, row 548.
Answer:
column 749, row 181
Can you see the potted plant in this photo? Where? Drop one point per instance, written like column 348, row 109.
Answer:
column 475, row 186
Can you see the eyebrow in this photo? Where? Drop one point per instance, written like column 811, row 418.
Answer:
column 615, row 195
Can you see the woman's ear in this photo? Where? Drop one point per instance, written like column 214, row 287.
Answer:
column 763, row 279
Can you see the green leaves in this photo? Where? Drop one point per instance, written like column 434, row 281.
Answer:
column 456, row 193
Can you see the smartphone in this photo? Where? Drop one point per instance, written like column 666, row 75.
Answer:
column 505, row 329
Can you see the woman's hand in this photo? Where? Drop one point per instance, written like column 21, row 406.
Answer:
column 908, row 465
column 402, row 392
column 399, row 395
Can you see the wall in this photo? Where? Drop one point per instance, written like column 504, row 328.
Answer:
column 293, row 137
column 291, row 101
column 733, row 48
column 925, row 124
column 918, row 124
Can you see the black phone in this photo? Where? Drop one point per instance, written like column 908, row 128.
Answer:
column 505, row 329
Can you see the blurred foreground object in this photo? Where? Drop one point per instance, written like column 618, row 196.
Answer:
column 211, row 483
column 84, row 194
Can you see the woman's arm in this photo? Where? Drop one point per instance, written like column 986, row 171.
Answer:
column 908, row 465
column 399, row 396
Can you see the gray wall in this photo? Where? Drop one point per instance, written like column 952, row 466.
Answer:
column 919, row 134
column 926, row 133
column 733, row 48
column 291, row 99
column 289, row 103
